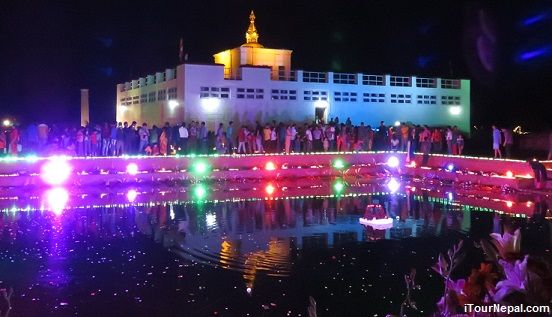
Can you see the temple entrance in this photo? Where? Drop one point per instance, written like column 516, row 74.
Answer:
column 319, row 114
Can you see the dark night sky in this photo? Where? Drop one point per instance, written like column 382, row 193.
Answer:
column 51, row 50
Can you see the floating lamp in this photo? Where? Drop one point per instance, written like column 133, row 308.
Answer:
column 132, row 169
column 55, row 171
column 393, row 162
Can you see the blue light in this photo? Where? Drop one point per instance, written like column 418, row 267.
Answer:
column 534, row 19
column 535, row 53
column 449, row 167
column 450, row 196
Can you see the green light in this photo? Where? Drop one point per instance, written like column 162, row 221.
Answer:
column 200, row 168
column 339, row 164
column 200, row 191
column 338, row 186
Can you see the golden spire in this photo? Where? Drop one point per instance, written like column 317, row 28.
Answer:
column 251, row 36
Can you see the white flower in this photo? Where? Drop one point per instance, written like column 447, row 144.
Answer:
column 507, row 244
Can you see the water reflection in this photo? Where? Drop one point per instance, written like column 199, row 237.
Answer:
column 259, row 241
column 57, row 199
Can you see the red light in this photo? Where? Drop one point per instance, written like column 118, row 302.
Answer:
column 509, row 174
column 269, row 189
column 509, row 204
column 270, row 166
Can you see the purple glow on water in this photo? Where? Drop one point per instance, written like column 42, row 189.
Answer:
column 57, row 199
column 132, row 169
column 393, row 185
column 131, row 195
column 56, row 171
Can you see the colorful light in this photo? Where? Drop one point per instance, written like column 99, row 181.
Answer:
column 173, row 104
column 56, row 171
column 57, row 199
column 509, row 204
column 270, row 166
column 6, row 122
column 509, row 174
column 449, row 167
column 131, row 195
column 455, row 110
column 338, row 186
column 200, row 191
column 200, row 168
column 393, row 185
column 393, row 162
column 132, row 169
column 339, row 164
column 450, row 196
column 270, row 189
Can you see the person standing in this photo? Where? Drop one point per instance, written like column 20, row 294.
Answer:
column 266, row 139
column 496, row 142
column 448, row 138
column 203, row 137
column 242, row 138
column 14, row 141
column 381, row 140
column 330, row 135
column 460, row 143
column 163, row 142
column 404, row 136
column 259, row 148
column 183, row 137
column 295, row 144
column 80, row 142
column 288, row 139
column 308, row 140
column 144, row 138
column 3, row 142
column 192, row 141
column 437, row 141
column 230, row 137
column 106, row 139
column 120, row 138
column 42, row 136
column 370, row 138
column 508, row 142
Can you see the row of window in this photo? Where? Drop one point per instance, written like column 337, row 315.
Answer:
column 214, row 92
column 283, row 94
column 379, row 80
column 345, row 96
column 250, row 93
column 401, row 98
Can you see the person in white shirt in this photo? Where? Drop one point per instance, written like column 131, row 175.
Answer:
column 308, row 140
column 183, row 138
column 448, row 138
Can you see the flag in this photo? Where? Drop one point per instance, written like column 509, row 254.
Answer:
column 181, row 50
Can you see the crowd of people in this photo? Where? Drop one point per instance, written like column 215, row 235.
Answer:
column 115, row 139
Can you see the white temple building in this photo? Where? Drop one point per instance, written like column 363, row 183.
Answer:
column 252, row 83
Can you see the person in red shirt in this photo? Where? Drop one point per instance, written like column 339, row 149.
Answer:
column 14, row 141
column 437, row 141
column 2, row 143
